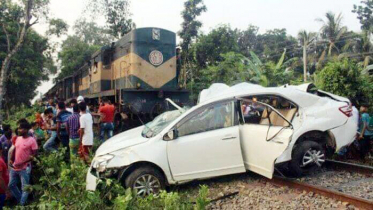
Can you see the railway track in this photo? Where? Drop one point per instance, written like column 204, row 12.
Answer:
column 358, row 202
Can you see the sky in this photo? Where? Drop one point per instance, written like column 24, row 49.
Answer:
column 294, row 15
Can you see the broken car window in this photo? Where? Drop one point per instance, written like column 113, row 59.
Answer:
column 210, row 118
column 258, row 113
column 159, row 123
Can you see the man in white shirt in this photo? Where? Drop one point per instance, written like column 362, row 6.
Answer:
column 86, row 132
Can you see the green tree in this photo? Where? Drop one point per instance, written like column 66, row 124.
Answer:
column 271, row 45
column 91, row 33
column 16, row 19
column 360, row 48
column 190, row 26
column 57, row 27
column 117, row 15
column 333, row 32
column 344, row 78
column 365, row 14
column 29, row 67
column 189, row 33
column 210, row 47
column 74, row 54
column 248, row 40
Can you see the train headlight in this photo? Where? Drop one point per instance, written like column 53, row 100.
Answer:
column 138, row 85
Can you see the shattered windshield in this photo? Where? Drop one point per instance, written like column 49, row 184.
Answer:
column 160, row 122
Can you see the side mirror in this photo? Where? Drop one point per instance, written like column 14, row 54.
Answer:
column 170, row 135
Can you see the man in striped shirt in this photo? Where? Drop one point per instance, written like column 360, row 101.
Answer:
column 73, row 129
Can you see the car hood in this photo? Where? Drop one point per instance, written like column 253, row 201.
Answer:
column 122, row 141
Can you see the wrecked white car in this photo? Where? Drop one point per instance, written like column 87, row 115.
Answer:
column 231, row 130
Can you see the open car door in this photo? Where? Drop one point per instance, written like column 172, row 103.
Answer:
column 265, row 140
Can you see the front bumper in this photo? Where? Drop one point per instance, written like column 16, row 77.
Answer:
column 91, row 180
column 93, row 176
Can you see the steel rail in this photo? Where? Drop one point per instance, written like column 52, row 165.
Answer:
column 352, row 167
column 356, row 201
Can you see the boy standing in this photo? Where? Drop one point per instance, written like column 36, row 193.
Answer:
column 365, row 134
column 86, row 131
column 51, row 144
column 73, row 127
column 25, row 150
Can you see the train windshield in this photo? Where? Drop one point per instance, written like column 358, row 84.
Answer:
column 159, row 123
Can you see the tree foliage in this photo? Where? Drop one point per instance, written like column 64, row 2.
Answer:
column 190, row 26
column 210, row 47
column 91, row 33
column 30, row 65
column 117, row 15
column 344, row 78
column 57, row 27
column 74, row 54
column 333, row 32
column 365, row 14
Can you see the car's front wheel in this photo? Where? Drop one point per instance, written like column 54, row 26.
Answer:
column 308, row 156
column 145, row 180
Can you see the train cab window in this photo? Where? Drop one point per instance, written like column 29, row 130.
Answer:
column 106, row 56
column 95, row 67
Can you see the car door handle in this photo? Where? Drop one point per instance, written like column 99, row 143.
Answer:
column 229, row 138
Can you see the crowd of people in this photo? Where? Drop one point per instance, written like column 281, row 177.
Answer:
column 60, row 126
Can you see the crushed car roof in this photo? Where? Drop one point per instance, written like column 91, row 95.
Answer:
column 220, row 91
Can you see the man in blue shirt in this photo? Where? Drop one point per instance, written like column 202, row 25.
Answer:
column 365, row 134
column 62, row 131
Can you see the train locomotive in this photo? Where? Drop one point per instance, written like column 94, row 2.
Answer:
column 139, row 72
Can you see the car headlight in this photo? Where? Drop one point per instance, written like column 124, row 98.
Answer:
column 101, row 162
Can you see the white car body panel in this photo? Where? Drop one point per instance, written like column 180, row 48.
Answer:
column 205, row 155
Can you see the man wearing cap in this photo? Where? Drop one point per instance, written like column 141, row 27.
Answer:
column 81, row 99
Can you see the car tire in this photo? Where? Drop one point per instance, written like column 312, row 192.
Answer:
column 146, row 180
column 303, row 153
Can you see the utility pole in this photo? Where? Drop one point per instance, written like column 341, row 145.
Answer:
column 305, row 61
column 306, row 43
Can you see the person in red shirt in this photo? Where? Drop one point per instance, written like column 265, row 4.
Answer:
column 107, row 119
column 4, row 180
column 25, row 150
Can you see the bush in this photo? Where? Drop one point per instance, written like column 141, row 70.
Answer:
column 22, row 112
column 344, row 78
column 60, row 185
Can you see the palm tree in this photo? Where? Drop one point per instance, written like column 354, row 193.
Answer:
column 360, row 47
column 332, row 31
column 305, row 39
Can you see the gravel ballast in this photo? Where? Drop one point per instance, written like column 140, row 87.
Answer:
column 255, row 192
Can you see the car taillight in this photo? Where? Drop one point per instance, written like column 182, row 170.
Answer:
column 346, row 110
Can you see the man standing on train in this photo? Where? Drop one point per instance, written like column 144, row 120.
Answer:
column 107, row 119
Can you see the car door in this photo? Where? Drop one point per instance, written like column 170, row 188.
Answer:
column 265, row 140
column 207, row 143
